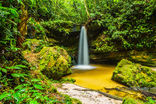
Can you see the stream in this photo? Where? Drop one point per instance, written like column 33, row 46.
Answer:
column 100, row 79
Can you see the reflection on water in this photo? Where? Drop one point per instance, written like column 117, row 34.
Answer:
column 99, row 79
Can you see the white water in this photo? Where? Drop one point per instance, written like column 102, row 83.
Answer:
column 83, row 54
column 83, row 57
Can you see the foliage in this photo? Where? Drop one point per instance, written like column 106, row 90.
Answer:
column 131, row 101
column 34, row 45
column 9, row 18
column 58, row 25
column 35, row 29
column 12, row 75
column 20, row 86
column 134, row 75
column 104, row 44
column 56, row 10
column 127, row 24
column 134, row 101
column 29, row 93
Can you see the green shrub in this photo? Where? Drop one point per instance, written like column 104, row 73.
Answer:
column 34, row 45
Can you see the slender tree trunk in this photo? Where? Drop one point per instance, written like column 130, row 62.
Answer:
column 86, row 9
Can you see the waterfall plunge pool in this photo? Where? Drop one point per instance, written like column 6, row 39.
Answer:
column 83, row 67
column 100, row 79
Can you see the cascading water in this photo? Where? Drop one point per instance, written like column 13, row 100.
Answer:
column 83, row 54
column 83, row 57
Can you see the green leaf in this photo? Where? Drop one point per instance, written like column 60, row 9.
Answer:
column 14, row 12
column 13, row 67
column 16, row 67
column 17, row 97
column 38, row 86
column 0, row 74
column 22, row 90
column 35, row 80
column 3, row 95
column 19, row 87
column 33, row 102
column 18, row 75
column 3, row 70
column 20, row 1
column 21, row 66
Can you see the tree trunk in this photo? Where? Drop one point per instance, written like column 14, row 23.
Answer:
column 22, row 27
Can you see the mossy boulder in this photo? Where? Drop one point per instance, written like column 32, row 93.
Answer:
column 54, row 62
column 34, row 45
column 134, row 75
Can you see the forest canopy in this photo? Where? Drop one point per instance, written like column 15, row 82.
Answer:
column 123, row 24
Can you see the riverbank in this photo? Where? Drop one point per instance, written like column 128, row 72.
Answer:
column 86, row 96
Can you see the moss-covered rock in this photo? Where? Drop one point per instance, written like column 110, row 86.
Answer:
column 132, row 74
column 54, row 62
column 34, row 45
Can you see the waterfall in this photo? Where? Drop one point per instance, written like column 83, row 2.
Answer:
column 83, row 57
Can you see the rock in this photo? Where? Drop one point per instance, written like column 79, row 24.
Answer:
column 54, row 62
column 86, row 97
column 134, row 75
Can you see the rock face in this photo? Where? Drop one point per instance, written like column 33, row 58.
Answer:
column 134, row 75
column 54, row 62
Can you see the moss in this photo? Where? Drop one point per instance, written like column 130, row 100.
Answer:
column 148, row 100
column 54, row 62
column 34, row 45
column 76, row 101
column 143, row 57
column 132, row 74
column 72, row 100
column 132, row 101
column 103, row 44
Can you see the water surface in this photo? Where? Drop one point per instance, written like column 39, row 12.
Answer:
column 99, row 79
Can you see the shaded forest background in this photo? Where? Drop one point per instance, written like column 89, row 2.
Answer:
column 114, row 25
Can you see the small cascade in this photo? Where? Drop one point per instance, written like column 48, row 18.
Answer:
column 83, row 54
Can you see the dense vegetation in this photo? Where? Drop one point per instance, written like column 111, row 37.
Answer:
column 116, row 25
